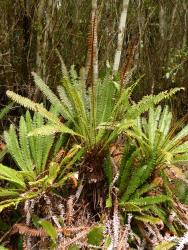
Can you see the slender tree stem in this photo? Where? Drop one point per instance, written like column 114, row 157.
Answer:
column 121, row 33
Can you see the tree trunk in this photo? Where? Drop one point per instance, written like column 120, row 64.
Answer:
column 121, row 33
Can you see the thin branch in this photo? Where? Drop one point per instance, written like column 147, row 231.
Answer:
column 121, row 34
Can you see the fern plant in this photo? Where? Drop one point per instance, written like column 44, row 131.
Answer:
column 37, row 167
column 139, row 191
column 96, row 114
column 156, row 133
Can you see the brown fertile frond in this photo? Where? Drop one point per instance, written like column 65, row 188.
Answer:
column 92, row 49
column 129, row 60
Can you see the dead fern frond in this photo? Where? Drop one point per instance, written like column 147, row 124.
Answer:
column 25, row 230
column 28, row 231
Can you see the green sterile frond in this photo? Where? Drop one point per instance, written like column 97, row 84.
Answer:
column 148, row 101
column 134, row 183
column 51, row 129
column 127, row 152
column 32, row 140
column 148, row 219
column 28, row 175
column 165, row 245
column 164, row 134
column 105, row 100
column 9, row 203
column 182, row 148
column 63, row 180
column 80, row 118
column 125, row 124
column 50, row 95
column 64, row 98
column 139, row 177
column 131, row 207
column 24, row 144
column 122, row 103
column 151, row 163
column 168, row 124
column 78, row 153
column 74, row 97
column 163, row 118
column 6, row 192
column 11, row 175
column 14, row 148
column 71, row 154
column 180, row 158
column 176, row 144
column 154, row 134
column 126, row 168
column 54, row 169
column 177, row 138
column 45, row 130
column 145, row 189
column 150, row 200
column 73, row 73
column 38, row 122
column 123, row 100
column 27, row 103
column 151, row 126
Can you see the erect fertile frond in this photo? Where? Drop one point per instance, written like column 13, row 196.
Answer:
column 129, row 58
column 92, row 54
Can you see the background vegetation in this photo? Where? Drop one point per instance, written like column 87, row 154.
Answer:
column 30, row 31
